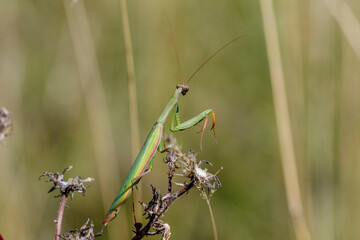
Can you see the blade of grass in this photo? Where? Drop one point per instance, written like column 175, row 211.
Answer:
column 288, row 160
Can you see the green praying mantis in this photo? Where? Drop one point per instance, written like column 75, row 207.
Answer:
column 144, row 161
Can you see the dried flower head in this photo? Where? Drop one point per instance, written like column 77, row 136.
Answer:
column 163, row 228
column 84, row 233
column 206, row 182
column 66, row 187
column 6, row 126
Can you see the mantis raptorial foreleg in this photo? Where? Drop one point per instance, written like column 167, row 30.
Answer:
column 176, row 125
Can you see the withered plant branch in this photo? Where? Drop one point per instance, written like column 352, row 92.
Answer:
column 156, row 209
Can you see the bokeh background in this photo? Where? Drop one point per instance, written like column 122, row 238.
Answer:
column 63, row 77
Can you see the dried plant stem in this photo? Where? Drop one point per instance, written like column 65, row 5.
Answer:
column 292, row 187
column 213, row 224
column 60, row 216
column 130, row 70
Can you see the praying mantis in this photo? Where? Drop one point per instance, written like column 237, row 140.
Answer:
column 154, row 140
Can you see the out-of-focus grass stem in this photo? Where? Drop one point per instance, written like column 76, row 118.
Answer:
column 347, row 21
column 292, row 187
column 89, row 74
column 130, row 70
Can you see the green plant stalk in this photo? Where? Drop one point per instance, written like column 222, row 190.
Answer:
column 213, row 224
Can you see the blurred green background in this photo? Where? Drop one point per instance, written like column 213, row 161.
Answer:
column 59, row 122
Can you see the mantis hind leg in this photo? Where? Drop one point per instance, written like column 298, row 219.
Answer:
column 176, row 125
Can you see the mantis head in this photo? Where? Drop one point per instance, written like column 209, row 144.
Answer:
column 184, row 88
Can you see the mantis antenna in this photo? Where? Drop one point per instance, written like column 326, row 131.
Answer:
column 204, row 63
column 177, row 56
column 207, row 60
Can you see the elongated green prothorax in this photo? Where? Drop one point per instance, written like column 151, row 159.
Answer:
column 144, row 161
